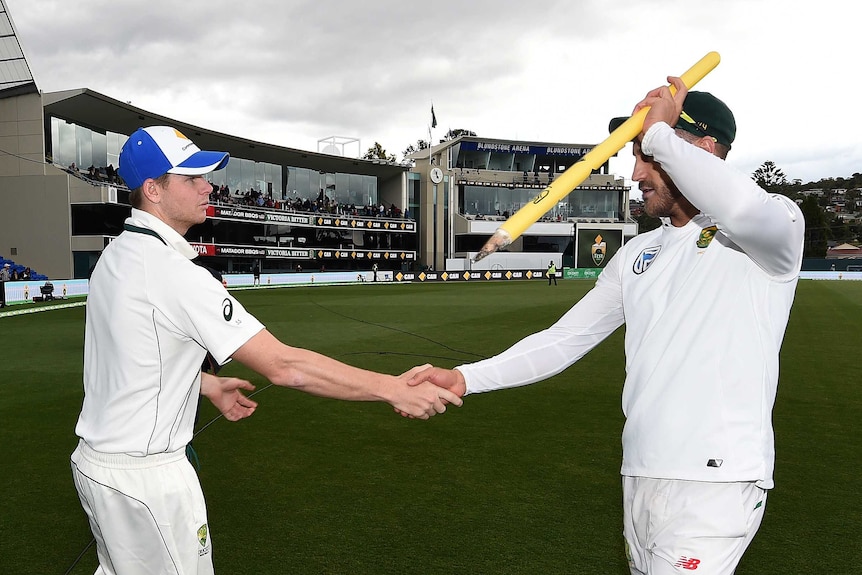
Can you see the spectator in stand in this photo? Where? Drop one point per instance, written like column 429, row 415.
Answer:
column 26, row 274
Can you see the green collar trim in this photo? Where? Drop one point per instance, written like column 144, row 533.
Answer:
column 145, row 231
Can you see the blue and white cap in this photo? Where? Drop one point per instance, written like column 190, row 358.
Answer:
column 158, row 150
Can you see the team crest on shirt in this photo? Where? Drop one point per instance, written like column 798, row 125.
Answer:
column 706, row 236
column 598, row 250
column 202, row 535
column 645, row 259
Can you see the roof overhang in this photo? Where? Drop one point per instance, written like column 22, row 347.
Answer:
column 101, row 113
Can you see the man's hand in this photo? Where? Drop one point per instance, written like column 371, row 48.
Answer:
column 664, row 106
column 424, row 400
column 449, row 380
column 225, row 394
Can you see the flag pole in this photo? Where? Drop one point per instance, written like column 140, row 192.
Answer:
column 433, row 186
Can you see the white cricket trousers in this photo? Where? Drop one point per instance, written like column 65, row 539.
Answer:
column 674, row 527
column 147, row 514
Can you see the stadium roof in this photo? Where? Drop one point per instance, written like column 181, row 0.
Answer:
column 99, row 112
column 15, row 73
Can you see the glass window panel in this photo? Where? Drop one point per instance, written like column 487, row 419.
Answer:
column 83, row 147
column 100, row 149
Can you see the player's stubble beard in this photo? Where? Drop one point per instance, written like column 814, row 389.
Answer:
column 663, row 198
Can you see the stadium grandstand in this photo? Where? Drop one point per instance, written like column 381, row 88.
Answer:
column 277, row 209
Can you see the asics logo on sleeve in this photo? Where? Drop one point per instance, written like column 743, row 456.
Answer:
column 645, row 259
column 227, row 309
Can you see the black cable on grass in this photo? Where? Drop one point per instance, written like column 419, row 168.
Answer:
column 389, row 327
column 78, row 558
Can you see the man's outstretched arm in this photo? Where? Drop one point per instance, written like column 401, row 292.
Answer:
column 318, row 374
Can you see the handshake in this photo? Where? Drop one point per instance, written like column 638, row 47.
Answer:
column 428, row 391
column 419, row 393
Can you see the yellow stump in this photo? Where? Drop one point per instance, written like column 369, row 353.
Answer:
column 581, row 170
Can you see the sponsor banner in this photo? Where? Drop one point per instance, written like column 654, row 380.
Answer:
column 205, row 249
column 331, row 221
column 239, row 251
column 364, row 255
column 305, row 278
column 252, row 215
column 469, row 276
column 250, row 251
column 512, row 148
column 581, row 273
column 25, row 292
column 289, row 253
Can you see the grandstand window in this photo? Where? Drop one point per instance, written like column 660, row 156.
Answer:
column 73, row 143
column 581, row 203
column 83, row 147
column 306, row 184
column 63, row 142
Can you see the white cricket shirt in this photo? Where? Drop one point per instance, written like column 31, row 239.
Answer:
column 705, row 313
column 152, row 315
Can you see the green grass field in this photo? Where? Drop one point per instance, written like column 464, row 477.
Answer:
column 523, row 481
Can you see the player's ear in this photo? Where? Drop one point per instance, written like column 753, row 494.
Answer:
column 151, row 191
column 707, row 143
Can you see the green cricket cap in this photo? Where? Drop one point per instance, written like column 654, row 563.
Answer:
column 702, row 115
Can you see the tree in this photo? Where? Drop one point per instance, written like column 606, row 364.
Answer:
column 840, row 230
column 770, row 177
column 647, row 222
column 457, row 132
column 411, row 149
column 376, row 152
column 817, row 230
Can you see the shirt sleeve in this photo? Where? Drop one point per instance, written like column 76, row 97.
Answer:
column 769, row 228
column 548, row 352
column 201, row 308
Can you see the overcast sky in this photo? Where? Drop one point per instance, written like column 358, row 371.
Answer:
column 292, row 72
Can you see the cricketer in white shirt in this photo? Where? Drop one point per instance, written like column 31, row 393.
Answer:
column 705, row 299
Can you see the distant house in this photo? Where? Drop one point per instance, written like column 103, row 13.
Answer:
column 844, row 251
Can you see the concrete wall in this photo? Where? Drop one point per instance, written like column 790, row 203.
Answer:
column 35, row 223
column 22, row 137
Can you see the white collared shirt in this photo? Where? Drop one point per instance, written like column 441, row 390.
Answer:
column 152, row 315
column 705, row 307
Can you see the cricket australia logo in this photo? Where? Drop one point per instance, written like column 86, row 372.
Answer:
column 202, row 535
column 645, row 259
column 203, row 540
column 598, row 251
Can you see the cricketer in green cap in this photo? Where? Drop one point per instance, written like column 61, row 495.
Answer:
column 702, row 115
